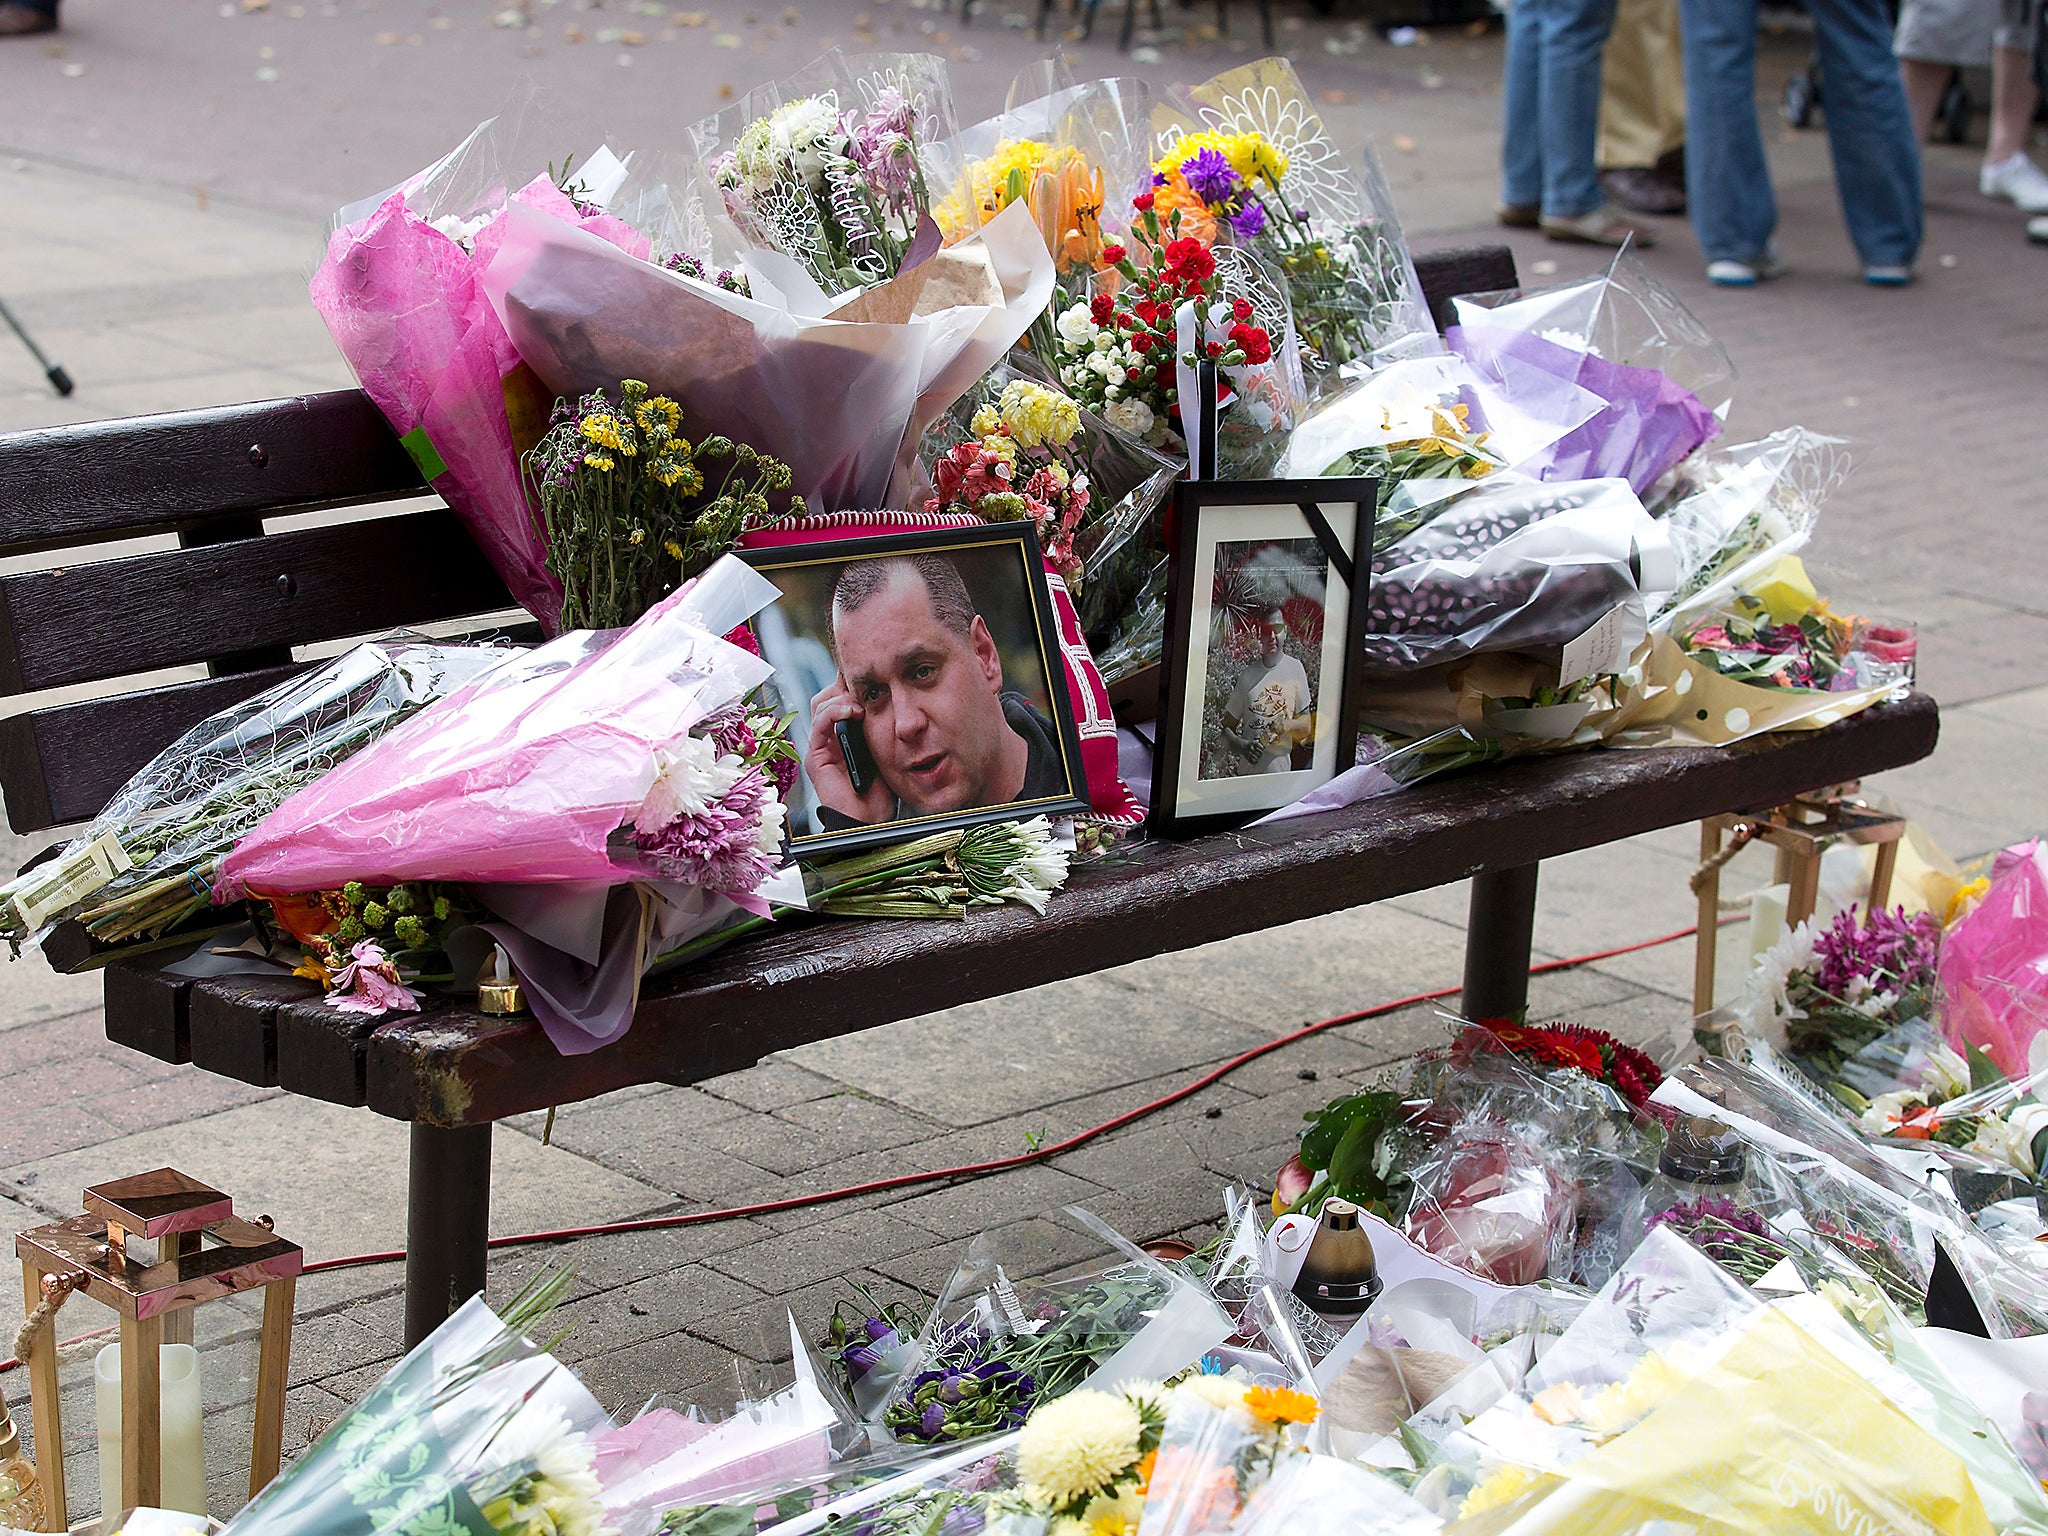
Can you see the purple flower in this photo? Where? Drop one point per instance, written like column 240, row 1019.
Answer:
column 877, row 1330
column 1249, row 220
column 1891, row 949
column 1159, row 178
column 931, row 1421
column 1209, row 175
column 720, row 847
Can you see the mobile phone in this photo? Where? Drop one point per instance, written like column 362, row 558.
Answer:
column 853, row 750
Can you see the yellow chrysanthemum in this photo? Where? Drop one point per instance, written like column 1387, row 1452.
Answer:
column 1252, row 155
column 985, row 422
column 1279, row 1405
column 990, row 185
column 1504, row 1486
column 1038, row 416
column 1114, row 1515
column 1077, row 1446
column 1218, row 1392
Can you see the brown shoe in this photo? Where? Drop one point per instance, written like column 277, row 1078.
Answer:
column 18, row 20
column 1642, row 191
column 1518, row 215
column 1603, row 226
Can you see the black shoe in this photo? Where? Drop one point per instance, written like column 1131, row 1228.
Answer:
column 1642, row 191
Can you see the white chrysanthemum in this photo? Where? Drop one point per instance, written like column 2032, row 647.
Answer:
column 806, row 122
column 689, row 779
column 768, row 837
column 1218, row 1392
column 1132, row 416
column 1765, row 1002
column 1075, row 1446
column 1077, row 326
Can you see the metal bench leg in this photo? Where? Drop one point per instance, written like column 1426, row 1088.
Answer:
column 1498, row 935
column 447, row 1224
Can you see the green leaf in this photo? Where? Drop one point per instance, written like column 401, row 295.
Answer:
column 1319, row 1141
column 1984, row 1072
column 2040, row 1151
column 1352, row 1171
column 711, row 1520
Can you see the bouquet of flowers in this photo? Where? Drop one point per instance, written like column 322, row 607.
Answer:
column 1836, row 988
column 623, row 497
column 1020, row 465
column 829, row 169
column 1629, row 340
column 475, row 1430
column 1010, row 1331
column 630, row 740
column 400, row 291
column 146, row 864
column 1248, row 161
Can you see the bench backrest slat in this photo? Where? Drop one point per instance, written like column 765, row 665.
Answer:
column 231, row 595
column 120, row 479
column 85, row 623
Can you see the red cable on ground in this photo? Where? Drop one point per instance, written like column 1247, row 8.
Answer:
column 1016, row 1160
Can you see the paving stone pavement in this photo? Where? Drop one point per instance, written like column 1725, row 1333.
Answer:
column 159, row 296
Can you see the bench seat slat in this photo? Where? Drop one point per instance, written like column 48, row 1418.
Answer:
column 815, row 981
column 120, row 479
column 87, row 622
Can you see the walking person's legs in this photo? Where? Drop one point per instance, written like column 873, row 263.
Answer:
column 1870, row 134
column 1521, row 149
column 2008, row 172
column 1727, row 180
column 23, row 18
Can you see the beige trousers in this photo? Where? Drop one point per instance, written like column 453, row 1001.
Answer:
column 1642, row 86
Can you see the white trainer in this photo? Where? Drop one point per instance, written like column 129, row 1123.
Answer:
column 2019, row 181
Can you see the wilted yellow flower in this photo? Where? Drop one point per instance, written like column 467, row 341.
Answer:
column 1504, row 1486
column 598, row 460
column 675, row 550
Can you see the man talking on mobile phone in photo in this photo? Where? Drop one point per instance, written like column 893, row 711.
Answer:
column 920, row 677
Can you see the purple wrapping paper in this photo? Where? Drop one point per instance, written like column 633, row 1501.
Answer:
column 1650, row 422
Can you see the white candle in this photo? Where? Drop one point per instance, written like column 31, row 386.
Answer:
column 1768, row 908
column 184, row 1460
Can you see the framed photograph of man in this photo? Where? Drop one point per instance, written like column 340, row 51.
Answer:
column 924, row 673
column 1264, row 645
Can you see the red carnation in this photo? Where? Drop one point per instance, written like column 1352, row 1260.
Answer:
column 1258, row 347
column 1189, row 263
column 1142, row 202
column 1146, row 311
column 1134, row 374
column 1214, row 348
column 1112, row 254
column 1141, row 343
column 1101, row 308
column 1240, row 309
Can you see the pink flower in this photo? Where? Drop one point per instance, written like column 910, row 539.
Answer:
column 969, row 473
column 370, row 983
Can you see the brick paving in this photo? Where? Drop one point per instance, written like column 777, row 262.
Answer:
column 1938, row 388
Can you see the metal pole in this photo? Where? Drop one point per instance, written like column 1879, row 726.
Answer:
column 59, row 379
column 447, row 1224
column 1498, row 935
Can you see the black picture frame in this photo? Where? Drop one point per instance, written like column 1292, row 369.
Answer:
column 1043, row 641
column 1339, row 513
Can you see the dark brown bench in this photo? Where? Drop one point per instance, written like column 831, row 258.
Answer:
column 239, row 599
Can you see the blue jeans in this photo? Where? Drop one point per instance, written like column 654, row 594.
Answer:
column 1877, row 164
column 1551, row 111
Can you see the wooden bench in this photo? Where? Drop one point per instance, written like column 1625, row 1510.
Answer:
column 239, row 600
